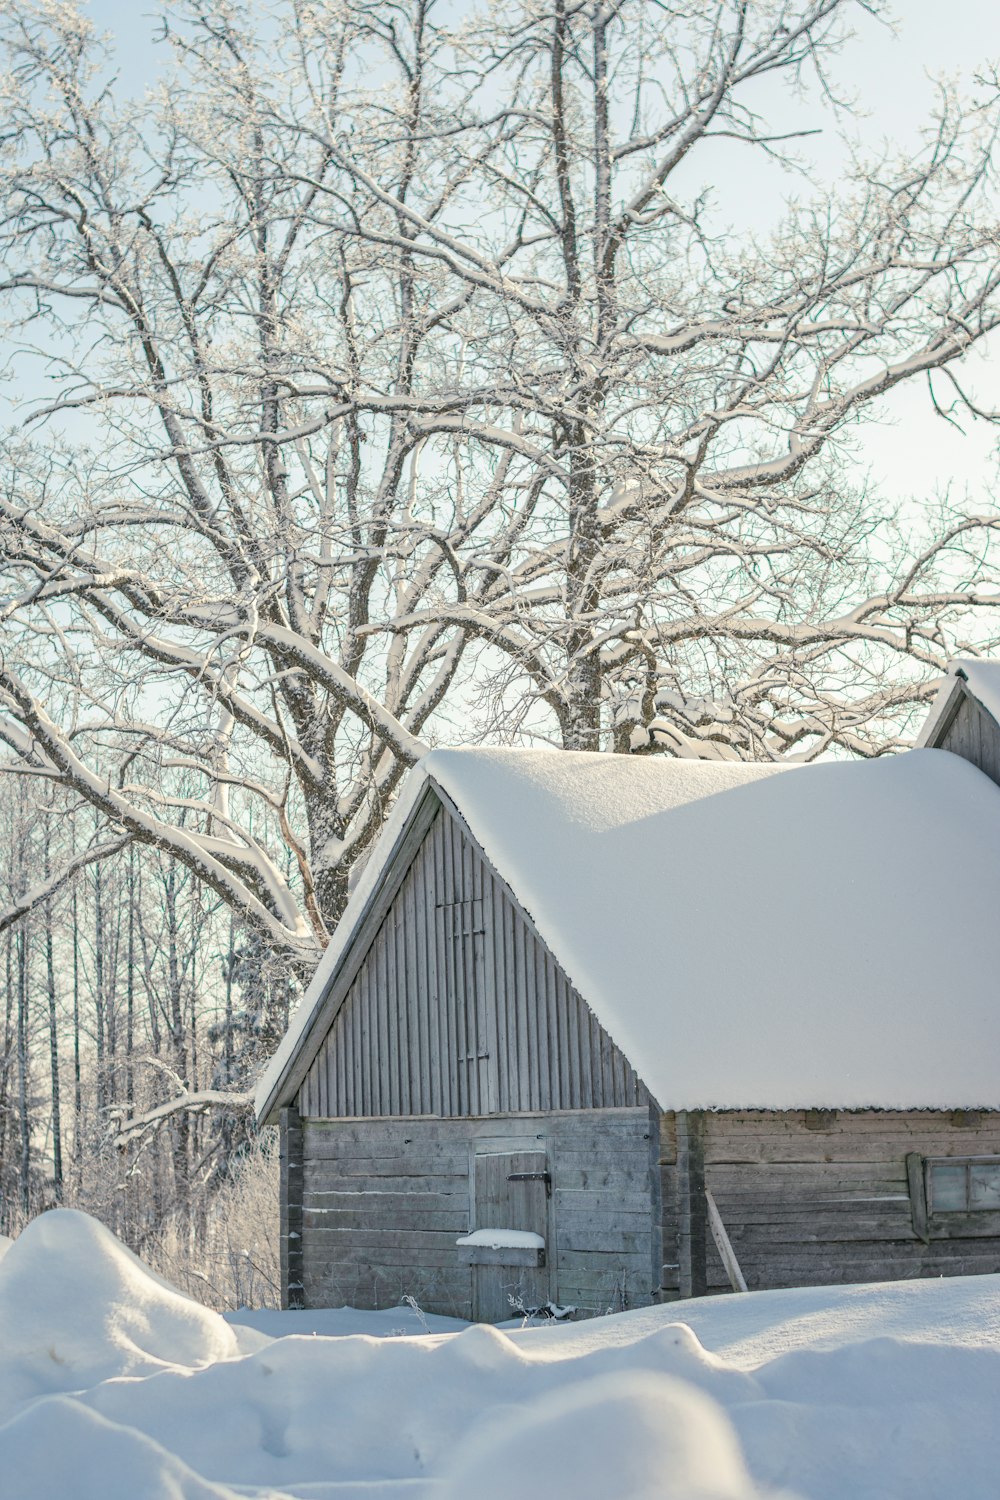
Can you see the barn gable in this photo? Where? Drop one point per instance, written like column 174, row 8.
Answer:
column 458, row 1009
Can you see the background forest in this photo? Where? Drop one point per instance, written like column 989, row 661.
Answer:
column 126, row 995
column 384, row 374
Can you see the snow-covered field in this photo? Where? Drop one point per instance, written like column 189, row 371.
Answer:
column 114, row 1386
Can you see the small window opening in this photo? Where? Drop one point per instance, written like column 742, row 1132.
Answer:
column 963, row 1185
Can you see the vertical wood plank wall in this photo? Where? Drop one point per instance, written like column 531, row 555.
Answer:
column 459, row 1010
column 814, row 1198
column 385, row 1200
column 974, row 735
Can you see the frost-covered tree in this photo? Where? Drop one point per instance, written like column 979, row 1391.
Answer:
column 134, row 1015
column 401, row 379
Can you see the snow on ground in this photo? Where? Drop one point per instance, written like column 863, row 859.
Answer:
column 114, row 1386
column 338, row 1322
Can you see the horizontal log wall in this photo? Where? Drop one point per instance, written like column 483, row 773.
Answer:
column 459, row 1009
column 811, row 1199
column 385, row 1200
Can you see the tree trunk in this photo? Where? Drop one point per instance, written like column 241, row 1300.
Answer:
column 180, row 1127
column 581, row 726
column 8, row 1042
column 50, row 984
column 99, row 987
column 130, row 984
column 24, row 1121
column 77, row 1084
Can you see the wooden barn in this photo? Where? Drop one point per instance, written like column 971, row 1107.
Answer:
column 598, row 1031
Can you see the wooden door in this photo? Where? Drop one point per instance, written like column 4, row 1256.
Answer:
column 511, row 1192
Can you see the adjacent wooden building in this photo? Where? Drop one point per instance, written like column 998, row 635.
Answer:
column 598, row 1031
column 964, row 717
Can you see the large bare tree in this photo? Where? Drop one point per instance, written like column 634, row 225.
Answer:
column 403, row 387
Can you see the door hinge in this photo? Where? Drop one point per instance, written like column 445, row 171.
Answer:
column 545, row 1177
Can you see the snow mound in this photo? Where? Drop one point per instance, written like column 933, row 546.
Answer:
column 885, row 1417
column 631, row 1436
column 870, row 1393
column 77, row 1308
column 59, row 1448
column 314, row 1410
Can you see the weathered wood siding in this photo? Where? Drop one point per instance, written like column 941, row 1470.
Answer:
column 973, row 734
column 458, row 1009
column 290, row 1220
column 813, row 1198
column 385, row 1200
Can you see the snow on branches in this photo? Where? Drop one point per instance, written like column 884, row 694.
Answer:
column 387, row 412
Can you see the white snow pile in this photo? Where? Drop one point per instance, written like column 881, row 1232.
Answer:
column 78, row 1309
column 116, row 1387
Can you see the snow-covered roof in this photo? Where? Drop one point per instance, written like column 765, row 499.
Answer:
column 980, row 678
column 819, row 936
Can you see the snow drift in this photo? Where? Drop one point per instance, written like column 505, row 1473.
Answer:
column 644, row 1437
column 78, row 1308
column 113, row 1386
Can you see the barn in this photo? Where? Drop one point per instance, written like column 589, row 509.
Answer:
column 599, row 1031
